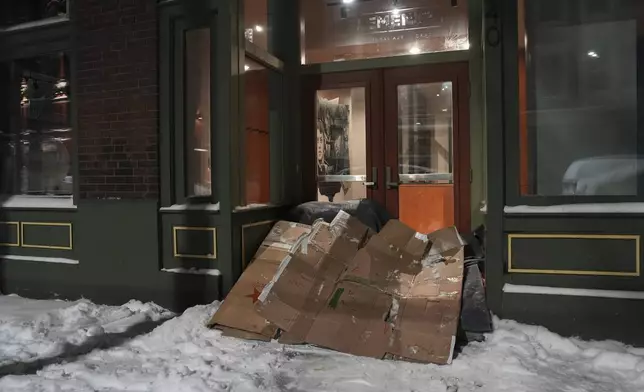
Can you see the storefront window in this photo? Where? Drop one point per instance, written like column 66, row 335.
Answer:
column 14, row 12
column 578, row 106
column 256, row 22
column 35, row 128
column 257, row 119
column 354, row 29
column 197, row 112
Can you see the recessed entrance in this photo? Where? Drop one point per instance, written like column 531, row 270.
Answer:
column 399, row 136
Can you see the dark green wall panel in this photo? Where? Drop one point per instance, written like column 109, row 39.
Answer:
column 252, row 235
column 47, row 235
column 188, row 239
column 194, row 242
column 574, row 254
column 9, row 234
column 585, row 317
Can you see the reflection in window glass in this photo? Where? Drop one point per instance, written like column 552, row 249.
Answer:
column 257, row 120
column 425, row 128
column 341, row 144
column 256, row 23
column 578, row 83
column 37, row 145
column 17, row 12
column 354, row 29
column 197, row 112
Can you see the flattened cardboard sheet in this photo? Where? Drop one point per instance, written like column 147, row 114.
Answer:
column 305, row 281
column 237, row 316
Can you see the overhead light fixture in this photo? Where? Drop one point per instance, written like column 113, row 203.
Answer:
column 438, row 95
column 414, row 50
column 246, row 67
column 395, row 11
column 347, row 1
column 259, row 28
column 444, row 110
column 593, row 54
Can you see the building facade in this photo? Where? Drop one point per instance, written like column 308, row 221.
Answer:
column 148, row 146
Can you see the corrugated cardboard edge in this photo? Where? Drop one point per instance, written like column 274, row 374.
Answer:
column 238, row 333
column 451, row 351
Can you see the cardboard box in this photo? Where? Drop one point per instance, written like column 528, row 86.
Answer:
column 237, row 316
column 306, row 279
column 382, row 300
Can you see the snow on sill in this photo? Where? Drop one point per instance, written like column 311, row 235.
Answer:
column 544, row 290
column 37, row 23
column 193, row 271
column 37, row 202
column 55, row 260
column 191, row 207
column 253, row 206
column 598, row 208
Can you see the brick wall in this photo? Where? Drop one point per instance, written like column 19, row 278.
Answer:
column 117, row 96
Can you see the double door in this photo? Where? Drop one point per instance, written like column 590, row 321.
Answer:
column 399, row 136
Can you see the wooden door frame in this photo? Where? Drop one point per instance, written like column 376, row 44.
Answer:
column 372, row 82
column 458, row 74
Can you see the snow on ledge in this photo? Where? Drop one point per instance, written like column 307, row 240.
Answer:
column 598, row 208
column 191, row 207
column 37, row 23
column 39, row 202
column 544, row 290
column 193, row 271
column 55, row 260
column 253, row 206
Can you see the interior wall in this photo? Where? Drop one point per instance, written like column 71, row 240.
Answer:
column 257, row 137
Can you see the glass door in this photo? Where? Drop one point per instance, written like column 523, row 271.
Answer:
column 427, row 153
column 397, row 136
column 348, row 138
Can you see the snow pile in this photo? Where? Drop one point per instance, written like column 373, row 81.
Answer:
column 32, row 330
column 182, row 355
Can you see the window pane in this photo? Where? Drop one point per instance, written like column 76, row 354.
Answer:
column 36, row 141
column 425, row 129
column 257, row 118
column 16, row 12
column 197, row 106
column 578, row 83
column 354, row 29
column 256, row 25
column 341, row 144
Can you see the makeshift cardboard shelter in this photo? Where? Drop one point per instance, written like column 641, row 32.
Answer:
column 395, row 294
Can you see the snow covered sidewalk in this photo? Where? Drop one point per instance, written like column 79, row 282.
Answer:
column 32, row 331
column 183, row 355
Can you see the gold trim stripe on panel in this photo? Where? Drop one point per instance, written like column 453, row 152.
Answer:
column 212, row 256
column 243, row 247
column 575, row 236
column 55, row 224
column 17, row 243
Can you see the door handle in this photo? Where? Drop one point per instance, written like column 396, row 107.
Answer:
column 390, row 184
column 373, row 184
